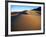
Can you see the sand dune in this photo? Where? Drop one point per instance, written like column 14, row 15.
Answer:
column 30, row 21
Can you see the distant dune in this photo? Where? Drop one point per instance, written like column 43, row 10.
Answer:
column 33, row 12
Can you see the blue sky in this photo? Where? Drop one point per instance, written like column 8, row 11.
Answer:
column 17, row 8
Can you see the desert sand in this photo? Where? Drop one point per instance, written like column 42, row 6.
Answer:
column 23, row 22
